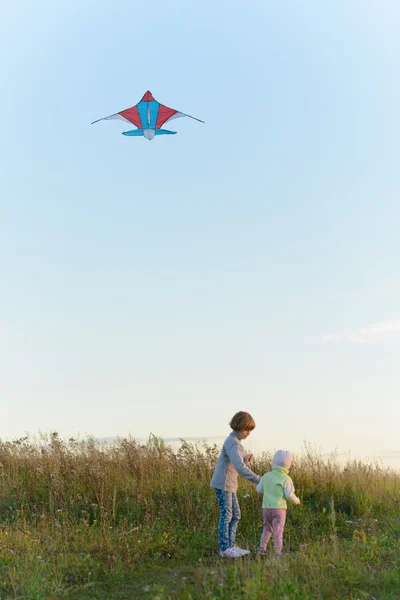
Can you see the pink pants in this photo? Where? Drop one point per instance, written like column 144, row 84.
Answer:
column 274, row 522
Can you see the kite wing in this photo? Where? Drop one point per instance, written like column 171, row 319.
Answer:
column 166, row 114
column 131, row 115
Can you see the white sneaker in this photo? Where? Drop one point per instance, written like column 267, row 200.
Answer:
column 230, row 553
column 241, row 550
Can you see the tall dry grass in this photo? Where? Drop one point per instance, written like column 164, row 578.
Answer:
column 74, row 512
column 133, row 480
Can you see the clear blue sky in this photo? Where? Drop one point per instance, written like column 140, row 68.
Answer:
column 250, row 263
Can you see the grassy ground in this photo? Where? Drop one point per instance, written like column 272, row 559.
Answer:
column 139, row 521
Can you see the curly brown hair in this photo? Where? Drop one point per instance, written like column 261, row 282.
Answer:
column 242, row 421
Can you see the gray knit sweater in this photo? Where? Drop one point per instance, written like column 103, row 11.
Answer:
column 230, row 464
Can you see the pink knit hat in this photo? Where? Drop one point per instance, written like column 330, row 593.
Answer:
column 283, row 458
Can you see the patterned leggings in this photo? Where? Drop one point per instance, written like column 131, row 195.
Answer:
column 229, row 518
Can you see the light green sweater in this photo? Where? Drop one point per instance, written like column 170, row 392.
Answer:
column 277, row 487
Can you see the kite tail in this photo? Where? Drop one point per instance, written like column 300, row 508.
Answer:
column 148, row 133
column 165, row 132
column 134, row 132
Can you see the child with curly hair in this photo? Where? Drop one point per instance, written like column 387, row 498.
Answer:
column 231, row 463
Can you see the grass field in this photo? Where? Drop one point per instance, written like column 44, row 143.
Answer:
column 139, row 521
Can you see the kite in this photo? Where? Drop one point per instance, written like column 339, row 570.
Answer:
column 149, row 116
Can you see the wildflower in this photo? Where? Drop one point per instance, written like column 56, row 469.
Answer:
column 246, row 496
column 146, row 588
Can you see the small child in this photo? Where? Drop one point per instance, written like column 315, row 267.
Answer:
column 276, row 487
column 231, row 462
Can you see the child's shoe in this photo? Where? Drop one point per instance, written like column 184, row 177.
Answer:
column 230, row 553
column 261, row 550
column 242, row 550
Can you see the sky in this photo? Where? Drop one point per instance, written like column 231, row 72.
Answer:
column 247, row 263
